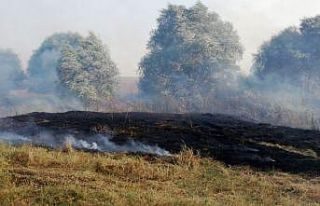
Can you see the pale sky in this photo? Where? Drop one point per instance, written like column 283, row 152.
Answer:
column 125, row 25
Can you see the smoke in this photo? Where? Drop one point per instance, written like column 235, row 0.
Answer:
column 98, row 143
column 103, row 144
column 23, row 101
column 271, row 100
column 14, row 139
column 24, row 93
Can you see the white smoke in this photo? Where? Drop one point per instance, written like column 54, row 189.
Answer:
column 104, row 144
column 12, row 138
column 98, row 143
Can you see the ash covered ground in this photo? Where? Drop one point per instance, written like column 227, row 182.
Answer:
column 233, row 141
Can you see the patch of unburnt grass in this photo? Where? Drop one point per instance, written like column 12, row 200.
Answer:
column 39, row 176
column 305, row 152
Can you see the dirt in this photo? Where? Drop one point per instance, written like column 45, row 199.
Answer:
column 231, row 140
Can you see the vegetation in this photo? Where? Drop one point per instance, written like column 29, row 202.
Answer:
column 42, row 68
column 12, row 74
column 293, row 56
column 69, row 64
column 38, row 176
column 88, row 71
column 191, row 66
column 190, row 52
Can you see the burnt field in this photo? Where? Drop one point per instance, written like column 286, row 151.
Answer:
column 221, row 137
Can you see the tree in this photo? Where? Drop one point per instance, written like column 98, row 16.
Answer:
column 11, row 72
column 292, row 56
column 191, row 50
column 88, row 71
column 42, row 68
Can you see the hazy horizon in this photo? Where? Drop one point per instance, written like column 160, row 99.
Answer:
column 125, row 26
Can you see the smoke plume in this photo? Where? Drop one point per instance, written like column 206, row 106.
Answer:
column 97, row 143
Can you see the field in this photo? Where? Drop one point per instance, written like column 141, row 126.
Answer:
column 215, row 160
column 39, row 176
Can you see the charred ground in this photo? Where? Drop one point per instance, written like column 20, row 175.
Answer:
column 225, row 138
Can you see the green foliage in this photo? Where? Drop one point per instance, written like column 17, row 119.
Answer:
column 189, row 52
column 42, row 66
column 88, row 71
column 293, row 55
column 69, row 64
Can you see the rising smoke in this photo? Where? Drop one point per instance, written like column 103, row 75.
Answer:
column 96, row 143
column 271, row 100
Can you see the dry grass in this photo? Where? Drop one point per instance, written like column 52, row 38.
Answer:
column 37, row 176
column 304, row 152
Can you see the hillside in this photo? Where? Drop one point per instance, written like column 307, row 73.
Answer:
column 214, row 160
column 221, row 137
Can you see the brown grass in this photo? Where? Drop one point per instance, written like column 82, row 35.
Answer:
column 37, row 176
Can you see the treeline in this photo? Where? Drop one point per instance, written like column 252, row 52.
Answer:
column 66, row 65
column 191, row 66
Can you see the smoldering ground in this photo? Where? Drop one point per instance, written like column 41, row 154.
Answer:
column 94, row 143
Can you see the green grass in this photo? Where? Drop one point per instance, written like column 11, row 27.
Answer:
column 38, row 176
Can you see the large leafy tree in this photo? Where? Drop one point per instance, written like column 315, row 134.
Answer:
column 189, row 52
column 11, row 73
column 88, row 71
column 292, row 56
column 42, row 68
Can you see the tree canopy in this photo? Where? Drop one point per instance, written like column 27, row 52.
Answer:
column 293, row 55
column 11, row 73
column 42, row 68
column 88, row 71
column 188, row 53
column 69, row 64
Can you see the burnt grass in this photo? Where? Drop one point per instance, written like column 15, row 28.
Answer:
column 225, row 138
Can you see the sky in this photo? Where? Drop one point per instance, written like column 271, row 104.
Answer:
column 125, row 25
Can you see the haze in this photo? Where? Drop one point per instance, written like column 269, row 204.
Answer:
column 125, row 25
